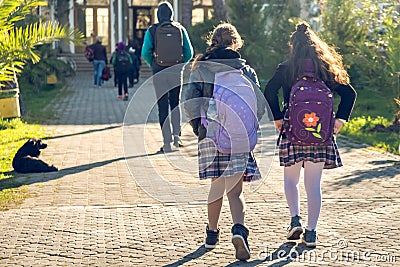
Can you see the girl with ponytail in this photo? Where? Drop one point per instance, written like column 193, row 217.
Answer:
column 226, row 171
column 305, row 45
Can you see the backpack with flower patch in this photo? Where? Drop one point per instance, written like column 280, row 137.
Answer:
column 309, row 118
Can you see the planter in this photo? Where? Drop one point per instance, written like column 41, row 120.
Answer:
column 9, row 104
column 9, row 108
column 51, row 79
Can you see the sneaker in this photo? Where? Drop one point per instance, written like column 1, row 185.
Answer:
column 239, row 240
column 212, row 238
column 126, row 97
column 120, row 97
column 295, row 229
column 310, row 238
column 177, row 141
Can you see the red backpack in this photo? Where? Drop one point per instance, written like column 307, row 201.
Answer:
column 106, row 75
column 89, row 53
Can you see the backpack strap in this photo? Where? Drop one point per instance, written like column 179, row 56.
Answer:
column 203, row 117
column 285, row 107
column 152, row 30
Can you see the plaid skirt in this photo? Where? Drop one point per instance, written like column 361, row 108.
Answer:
column 213, row 164
column 290, row 154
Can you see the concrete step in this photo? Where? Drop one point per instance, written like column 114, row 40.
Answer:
column 81, row 64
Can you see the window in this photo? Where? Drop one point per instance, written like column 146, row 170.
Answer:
column 92, row 2
column 145, row 2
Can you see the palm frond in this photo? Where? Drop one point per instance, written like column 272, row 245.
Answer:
column 18, row 45
column 16, row 10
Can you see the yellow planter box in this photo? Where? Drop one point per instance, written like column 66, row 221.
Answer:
column 9, row 107
column 51, row 79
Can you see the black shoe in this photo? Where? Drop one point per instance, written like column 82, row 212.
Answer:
column 239, row 240
column 126, row 97
column 310, row 238
column 295, row 229
column 212, row 238
column 177, row 141
column 165, row 148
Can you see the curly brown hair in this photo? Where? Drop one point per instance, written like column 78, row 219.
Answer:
column 305, row 43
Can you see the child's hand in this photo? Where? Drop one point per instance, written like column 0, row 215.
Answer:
column 278, row 124
column 338, row 126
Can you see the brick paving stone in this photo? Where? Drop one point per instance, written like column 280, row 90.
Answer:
column 115, row 202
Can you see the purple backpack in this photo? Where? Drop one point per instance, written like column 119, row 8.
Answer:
column 310, row 117
column 236, row 105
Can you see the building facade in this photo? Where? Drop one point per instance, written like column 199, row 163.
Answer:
column 118, row 20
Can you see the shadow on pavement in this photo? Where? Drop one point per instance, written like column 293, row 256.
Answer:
column 191, row 256
column 30, row 178
column 85, row 132
column 286, row 254
column 388, row 169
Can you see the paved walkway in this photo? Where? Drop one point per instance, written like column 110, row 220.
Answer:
column 115, row 202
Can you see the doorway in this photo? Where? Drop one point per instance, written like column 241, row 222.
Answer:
column 140, row 20
column 92, row 22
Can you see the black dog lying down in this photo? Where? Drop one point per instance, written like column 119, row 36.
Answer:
column 26, row 159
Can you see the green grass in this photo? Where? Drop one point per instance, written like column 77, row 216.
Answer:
column 38, row 110
column 15, row 132
column 372, row 109
column 373, row 104
column 360, row 129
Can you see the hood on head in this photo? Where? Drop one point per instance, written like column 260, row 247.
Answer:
column 164, row 12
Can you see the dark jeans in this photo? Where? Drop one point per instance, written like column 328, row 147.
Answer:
column 115, row 77
column 168, row 88
column 122, row 79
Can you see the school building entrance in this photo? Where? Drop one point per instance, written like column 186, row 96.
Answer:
column 120, row 20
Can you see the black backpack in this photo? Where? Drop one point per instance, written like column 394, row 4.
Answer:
column 122, row 61
column 168, row 43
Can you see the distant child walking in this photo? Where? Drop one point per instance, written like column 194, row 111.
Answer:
column 311, row 62
column 229, row 168
column 122, row 62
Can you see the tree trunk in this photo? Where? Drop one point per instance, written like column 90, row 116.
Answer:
column 397, row 114
column 219, row 10
column 187, row 7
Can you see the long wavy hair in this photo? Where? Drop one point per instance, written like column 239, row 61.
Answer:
column 223, row 35
column 304, row 43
